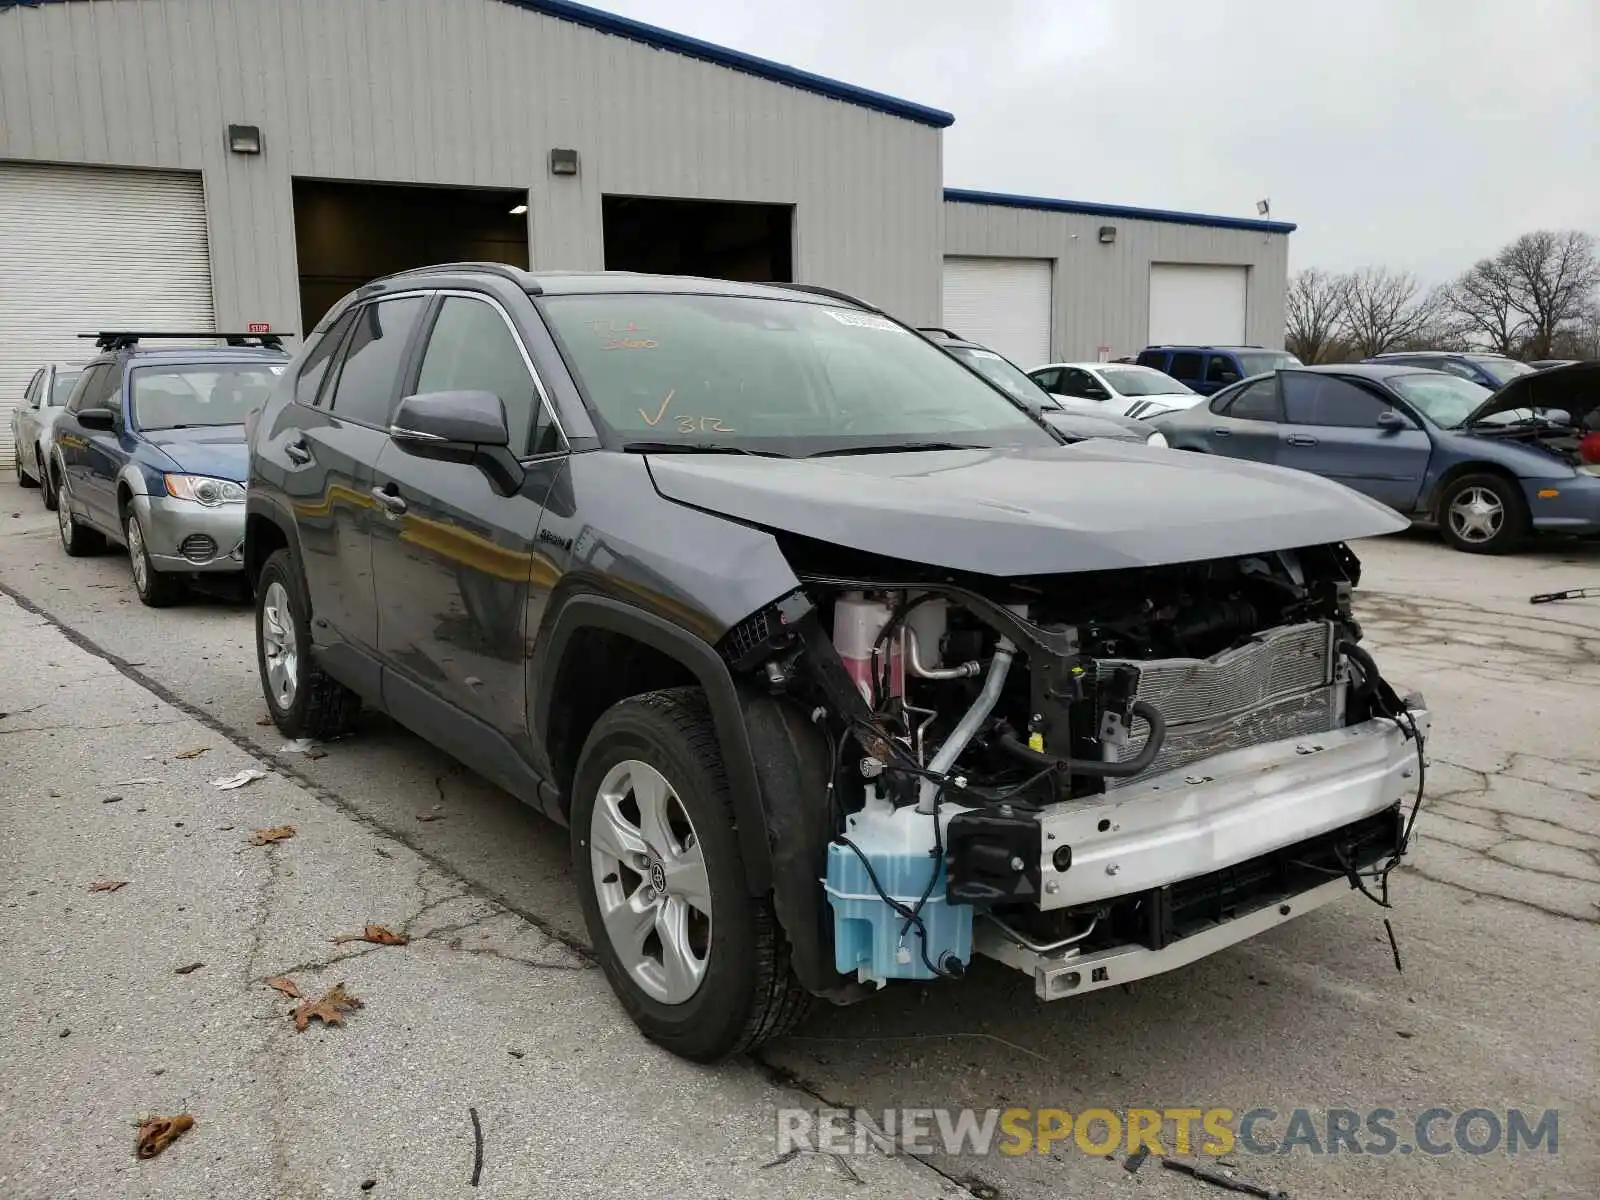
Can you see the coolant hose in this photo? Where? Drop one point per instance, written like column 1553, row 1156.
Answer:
column 1012, row 745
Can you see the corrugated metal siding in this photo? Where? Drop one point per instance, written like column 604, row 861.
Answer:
column 84, row 249
column 1102, row 293
column 464, row 92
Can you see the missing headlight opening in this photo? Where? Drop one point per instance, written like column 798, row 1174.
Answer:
column 1093, row 777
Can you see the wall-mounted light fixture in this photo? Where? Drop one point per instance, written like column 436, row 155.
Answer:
column 563, row 162
column 1263, row 208
column 1108, row 234
column 244, row 139
column 518, row 209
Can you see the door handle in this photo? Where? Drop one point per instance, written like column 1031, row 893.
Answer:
column 1221, row 433
column 1300, row 439
column 297, row 451
column 393, row 502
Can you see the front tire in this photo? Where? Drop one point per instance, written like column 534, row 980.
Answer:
column 1482, row 514
column 699, row 965
column 304, row 700
column 156, row 590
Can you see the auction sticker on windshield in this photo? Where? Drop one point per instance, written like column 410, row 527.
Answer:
column 860, row 319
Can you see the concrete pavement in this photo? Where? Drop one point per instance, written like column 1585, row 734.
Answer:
column 1496, row 923
column 482, row 1009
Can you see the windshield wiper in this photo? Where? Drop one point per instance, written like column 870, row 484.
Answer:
column 694, row 448
column 895, row 448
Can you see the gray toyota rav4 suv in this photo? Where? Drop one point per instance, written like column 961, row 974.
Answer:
column 840, row 664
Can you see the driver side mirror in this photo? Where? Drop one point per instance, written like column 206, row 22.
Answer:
column 1394, row 421
column 97, row 418
column 459, row 427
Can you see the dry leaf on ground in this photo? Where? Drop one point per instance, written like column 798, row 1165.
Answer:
column 264, row 720
column 378, row 935
column 195, row 753
column 430, row 816
column 188, row 970
column 157, row 1133
column 285, row 985
column 265, row 837
column 107, row 885
column 330, row 1009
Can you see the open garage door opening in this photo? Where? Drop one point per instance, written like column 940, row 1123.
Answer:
column 751, row 243
column 349, row 233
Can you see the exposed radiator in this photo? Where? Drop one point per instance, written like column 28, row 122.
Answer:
column 1280, row 685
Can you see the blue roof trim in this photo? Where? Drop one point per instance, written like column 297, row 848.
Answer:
column 1085, row 208
column 722, row 56
column 750, row 64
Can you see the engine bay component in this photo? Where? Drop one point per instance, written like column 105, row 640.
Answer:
column 1055, row 768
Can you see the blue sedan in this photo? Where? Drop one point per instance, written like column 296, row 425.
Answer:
column 150, row 454
column 1486, row 468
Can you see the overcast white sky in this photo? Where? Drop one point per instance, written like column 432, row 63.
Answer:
column 1419, row 134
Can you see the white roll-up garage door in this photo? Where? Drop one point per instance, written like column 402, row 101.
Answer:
column 1194, row 305
column 1004, row 303
column 84, row 249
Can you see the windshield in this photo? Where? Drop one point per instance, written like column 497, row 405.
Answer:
column 1260, row 362
column 1446, row 400
column 1005, row 374
column 61, row 390
column 184, row 397
column 1503, row 370
column 772, row 376
column 1142, row 381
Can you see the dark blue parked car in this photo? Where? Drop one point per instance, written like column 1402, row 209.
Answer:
column 1206, row 369
column 150, row 454
column 1490, row 370
column 1485, row 467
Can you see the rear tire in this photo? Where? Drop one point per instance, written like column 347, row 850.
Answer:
column 78, row 540
column 156, row 589
column 304, row 700
column 47, row 484
column 1482, row 513
column 745, row 991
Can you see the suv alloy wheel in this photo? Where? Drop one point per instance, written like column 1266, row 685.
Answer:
column 701, row 966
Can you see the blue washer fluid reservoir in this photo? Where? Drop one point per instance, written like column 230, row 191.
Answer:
column 868, row 941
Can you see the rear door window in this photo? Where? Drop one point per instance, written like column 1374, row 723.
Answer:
column 1257, row 402
column 1153, row 358
column 368, row 386
column 308, row 385
column 1185, row 365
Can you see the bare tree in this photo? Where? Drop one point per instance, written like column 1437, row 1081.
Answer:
column 1315, row 306
column 1383, row 309
column 1524, row 298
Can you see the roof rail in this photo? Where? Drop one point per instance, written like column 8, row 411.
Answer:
column 505, row 270
column 113, row 339
column 949, row 333
column 816, row 289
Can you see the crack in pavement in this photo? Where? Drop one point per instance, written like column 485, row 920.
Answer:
column 1557, row 851
column 1422, row 627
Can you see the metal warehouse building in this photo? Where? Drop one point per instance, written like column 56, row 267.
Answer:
column 203, row 164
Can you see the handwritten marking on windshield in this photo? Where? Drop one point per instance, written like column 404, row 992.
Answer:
column 661, row 412
column 703, row 425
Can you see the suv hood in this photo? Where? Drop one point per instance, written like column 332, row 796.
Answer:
column 1093, row 506
column 1575, row 389
column 215, row 450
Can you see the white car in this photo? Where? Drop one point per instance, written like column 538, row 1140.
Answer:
column 1121, row 388
column 33, row 423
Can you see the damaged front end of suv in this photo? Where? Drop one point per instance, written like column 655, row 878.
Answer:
column 1093, row 776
